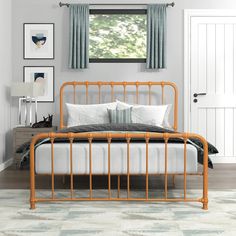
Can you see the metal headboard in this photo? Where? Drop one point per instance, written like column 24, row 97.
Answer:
column 124, row 84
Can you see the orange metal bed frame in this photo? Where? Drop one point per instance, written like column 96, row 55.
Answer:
column 128, row 137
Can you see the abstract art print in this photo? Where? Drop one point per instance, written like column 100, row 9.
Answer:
column 39, row 41
column 43, row 75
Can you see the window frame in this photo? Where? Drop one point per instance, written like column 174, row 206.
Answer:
column 122, row 12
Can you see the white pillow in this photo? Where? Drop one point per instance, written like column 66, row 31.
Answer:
column 166, row 122
column 123, row 105
column 152, row 115
column 148, row 114
column 88, row 114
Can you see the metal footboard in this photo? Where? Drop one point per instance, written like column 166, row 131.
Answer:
column 128, row 137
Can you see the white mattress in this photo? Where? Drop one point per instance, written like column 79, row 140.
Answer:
column 118, row 158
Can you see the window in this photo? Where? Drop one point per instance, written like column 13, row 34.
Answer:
column 117, row 35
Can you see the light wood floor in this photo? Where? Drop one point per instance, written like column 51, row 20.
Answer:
column 223, row 176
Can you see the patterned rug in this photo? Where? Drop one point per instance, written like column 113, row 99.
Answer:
column 117, row 218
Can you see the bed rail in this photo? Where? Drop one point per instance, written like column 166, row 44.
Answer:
column 128, row 137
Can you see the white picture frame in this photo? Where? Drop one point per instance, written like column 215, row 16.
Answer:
column 38, row 40
column 41, row 74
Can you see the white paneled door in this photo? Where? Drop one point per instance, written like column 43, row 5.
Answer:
column 212, row 81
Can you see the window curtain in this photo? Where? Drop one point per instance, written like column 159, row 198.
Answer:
column 79, row 36
column 156, row 36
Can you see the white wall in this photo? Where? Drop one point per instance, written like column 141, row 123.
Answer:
column 5, row 78
column 29, row 11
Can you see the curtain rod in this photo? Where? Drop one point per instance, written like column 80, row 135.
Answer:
column 116, row 4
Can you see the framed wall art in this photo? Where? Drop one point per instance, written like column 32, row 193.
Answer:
column 41, row 74
column 38, row 40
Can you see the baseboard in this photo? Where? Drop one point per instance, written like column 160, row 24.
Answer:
column 5, row 164
column 222, row 160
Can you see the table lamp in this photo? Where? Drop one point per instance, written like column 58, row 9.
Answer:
column 27, row 92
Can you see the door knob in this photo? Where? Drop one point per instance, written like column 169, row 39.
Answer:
column 199, row 94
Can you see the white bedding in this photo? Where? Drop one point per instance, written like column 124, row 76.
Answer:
column 118, row 158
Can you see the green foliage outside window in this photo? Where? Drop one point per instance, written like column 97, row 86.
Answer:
column 117, row 36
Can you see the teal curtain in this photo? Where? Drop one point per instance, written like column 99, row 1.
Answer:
column 156, row 36
column 79, row 36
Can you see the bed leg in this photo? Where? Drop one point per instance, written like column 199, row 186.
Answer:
column 32, row 190
column 205, row 176
column 32, row 205
column 173, row 180
column 118, row 186
column 205, row 206
column 32, row 176
column 205, row 193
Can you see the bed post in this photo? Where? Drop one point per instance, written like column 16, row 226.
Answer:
column 32, row 176
column 118, row 186
column 61, row 106
column 205, row 174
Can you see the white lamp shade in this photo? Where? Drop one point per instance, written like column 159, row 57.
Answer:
column 32, row 90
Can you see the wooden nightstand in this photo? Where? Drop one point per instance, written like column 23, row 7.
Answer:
column 24, row 134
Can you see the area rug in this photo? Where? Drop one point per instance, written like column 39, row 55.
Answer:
column 117, row 218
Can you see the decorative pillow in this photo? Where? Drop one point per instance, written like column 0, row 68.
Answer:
column 120, row 116
column 148, row 114
column 88, row 114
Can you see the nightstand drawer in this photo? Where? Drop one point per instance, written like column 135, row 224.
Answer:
column 22, row 135
column 18, row 142
column 29, row 134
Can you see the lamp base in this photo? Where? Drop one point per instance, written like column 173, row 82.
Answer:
column 26, row 100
